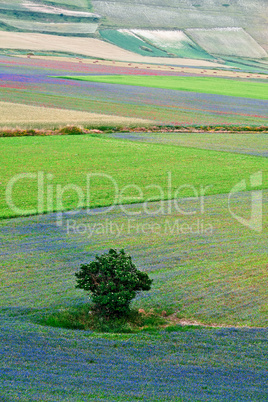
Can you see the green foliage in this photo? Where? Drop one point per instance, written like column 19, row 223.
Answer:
column 83, row 318
column 71, row 130
column 113, row 281
column 74, row 318
column 97, row 130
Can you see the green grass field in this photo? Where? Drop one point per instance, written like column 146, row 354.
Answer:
column 70, row 158
column 245, row 143
column 131, row 43
column 209, row 85
column 216, row 276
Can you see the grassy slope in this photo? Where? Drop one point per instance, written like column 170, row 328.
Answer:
column 209, row 85
column 69, row 159
column 227, row 42
column 219, row 278
column 213, row 277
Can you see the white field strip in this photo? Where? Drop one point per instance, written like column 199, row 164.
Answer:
column 87, row 47
column 41, row 8
column 167, row 40
column 187, row 70
column 260, row 35
column 67, row 28
column 13, row 114
column 227, row 41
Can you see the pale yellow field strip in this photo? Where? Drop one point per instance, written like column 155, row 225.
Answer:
column 87, row 47
column 16, row 114
column 187, row 70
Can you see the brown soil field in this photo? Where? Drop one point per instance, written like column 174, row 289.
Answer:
column 88, row 47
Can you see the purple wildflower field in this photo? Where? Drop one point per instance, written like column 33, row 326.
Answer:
column 217, row 278
column 31, row 82
column 185, row 364
column 242, row 143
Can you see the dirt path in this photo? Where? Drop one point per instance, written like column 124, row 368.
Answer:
column 173, row 320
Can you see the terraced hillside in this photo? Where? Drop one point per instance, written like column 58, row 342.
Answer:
column 183, row 14
column 205, row 28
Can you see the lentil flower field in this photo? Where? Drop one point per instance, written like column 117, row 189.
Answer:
column 207, row 268
column 35, row 82
column 191, row 209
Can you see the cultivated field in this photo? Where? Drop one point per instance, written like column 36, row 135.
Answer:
column 60, row 28
column 245, row 19
column 175, row 42
column 249, row 70
column 185, row 255
column 50, row 9
column 227, row 41
column 191, row 209
column 127, row 40
column 208, row 267
column 181, row 13
column 79, row 3
column 85, row 46
column 217, row 86
column 34, row 82
column 119, row 159
column 52, row 364
column 19, row 115
column 245, row 143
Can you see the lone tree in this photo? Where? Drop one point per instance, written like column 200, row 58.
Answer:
column 113, row 281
